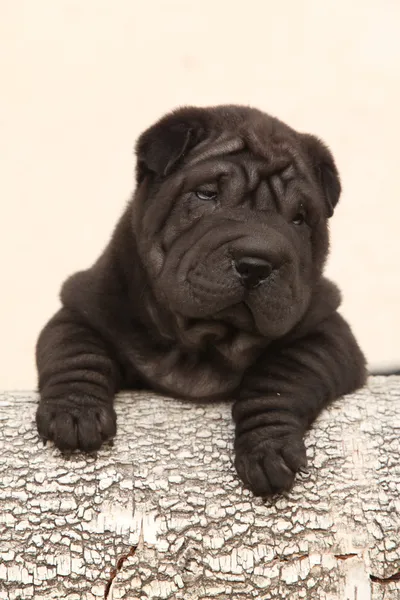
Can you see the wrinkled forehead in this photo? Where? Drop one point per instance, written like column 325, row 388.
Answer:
column 256, row 153
column 267, row 145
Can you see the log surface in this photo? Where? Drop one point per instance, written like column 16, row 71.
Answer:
column 162, row 514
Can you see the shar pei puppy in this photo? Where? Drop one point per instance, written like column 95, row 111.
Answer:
column 211, row 287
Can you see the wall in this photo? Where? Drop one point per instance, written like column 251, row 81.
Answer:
column 80, row 79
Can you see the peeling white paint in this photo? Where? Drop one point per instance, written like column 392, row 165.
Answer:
column 65, row 523
column 357, row 584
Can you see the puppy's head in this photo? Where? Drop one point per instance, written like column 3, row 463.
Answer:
column 230, row 216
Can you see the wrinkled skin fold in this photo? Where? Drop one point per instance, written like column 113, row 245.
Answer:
column 211, row 287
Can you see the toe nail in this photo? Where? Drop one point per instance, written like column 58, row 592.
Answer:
column 304, row 472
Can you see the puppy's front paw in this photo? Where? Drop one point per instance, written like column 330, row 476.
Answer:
column 268, row 464
column 75, row 422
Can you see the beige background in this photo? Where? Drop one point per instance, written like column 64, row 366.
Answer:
column 81, row 78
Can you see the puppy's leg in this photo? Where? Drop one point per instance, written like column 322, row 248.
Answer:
column 77, row 383
column 283, row 394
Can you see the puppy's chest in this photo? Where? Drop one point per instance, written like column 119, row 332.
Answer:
column 179, row 372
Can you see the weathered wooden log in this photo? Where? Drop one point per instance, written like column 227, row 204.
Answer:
column 162, row 514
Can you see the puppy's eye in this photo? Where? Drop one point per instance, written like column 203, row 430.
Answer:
column 299, row 218
column 206, row 194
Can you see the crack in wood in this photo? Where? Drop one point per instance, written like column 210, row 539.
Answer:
column 114, row 572
column 385, row 580
column 120, row 562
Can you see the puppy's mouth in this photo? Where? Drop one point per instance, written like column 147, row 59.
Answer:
column 238, row 316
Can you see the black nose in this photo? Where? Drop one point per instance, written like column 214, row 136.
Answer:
column 252, row 270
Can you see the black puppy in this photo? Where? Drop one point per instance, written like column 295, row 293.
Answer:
column 211, row 287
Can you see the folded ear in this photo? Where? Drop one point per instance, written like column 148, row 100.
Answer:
column 161, row 147
column 324, row 169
